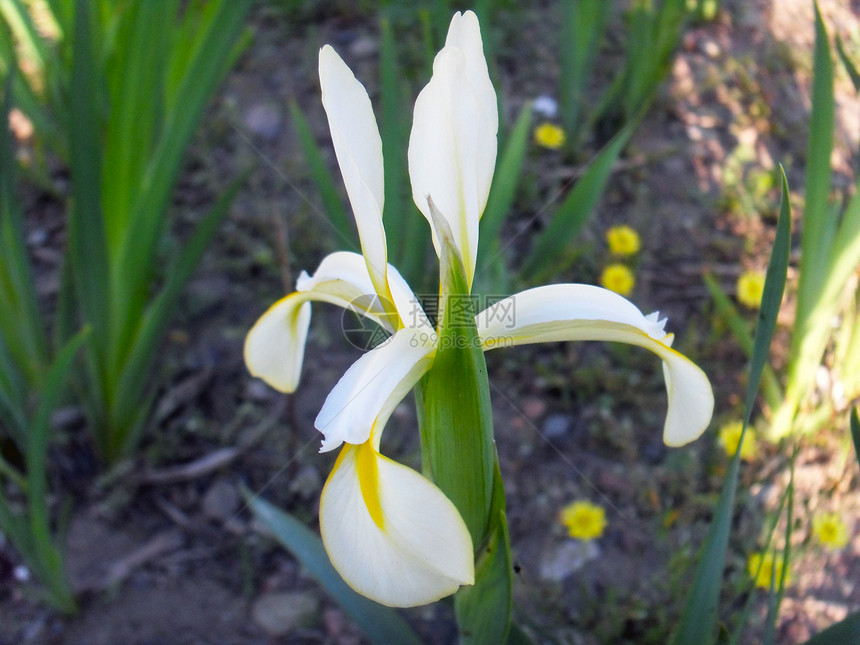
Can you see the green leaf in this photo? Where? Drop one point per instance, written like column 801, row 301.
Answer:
column 408, row 235
column 845, row 632
column 583, row 27
column 738, row 326
column 453, row 400
column 698, row 620
column 855, row 433
column 505, row 182
column 850, row 67
column 131, row 389
column 484, row 609
column 380, row 624
column 819, row 219
column 332, row 202
column 21, row 325
column 572, row 214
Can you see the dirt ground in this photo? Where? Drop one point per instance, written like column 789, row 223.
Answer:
column 163, row 551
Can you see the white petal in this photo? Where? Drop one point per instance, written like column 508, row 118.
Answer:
column 275, row 346
column 366, row 394
column 358, row 147
column 452, row 147
column 564, row 312
column 415, row 550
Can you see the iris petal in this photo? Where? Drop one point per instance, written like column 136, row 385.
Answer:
column 415, row 552
column 366, row 394
column 358, row 148
column 564, row 312
column 275, row 346
column 452, row 147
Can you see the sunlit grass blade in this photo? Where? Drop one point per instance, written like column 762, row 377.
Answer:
column 778, row 586
column 818, row 217
column 845, row 632
column 850, row 67
column 698, row 620
column 743, row 616
column 740, row 330
column 568, row 219
column 855, row 432
column 132, row 131
column 382, row 625
column 322, row 178
column 204, row 46
column 830, row 249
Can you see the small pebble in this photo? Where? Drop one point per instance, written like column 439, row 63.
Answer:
column 281, row 613
column 556, row 426
column 221, row 501
column 567, row 558
column 545, row 105
column 264, row 121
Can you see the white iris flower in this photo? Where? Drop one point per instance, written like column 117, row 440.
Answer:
column 389, row 531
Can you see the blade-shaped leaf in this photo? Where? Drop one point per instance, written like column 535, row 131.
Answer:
column 572, row 214
column 855, row 432
column 484, row 609
column 380, row 624
column 505, row 182
column 845, row 632
column 850, row 67
column 332, row 201
column 699, row 617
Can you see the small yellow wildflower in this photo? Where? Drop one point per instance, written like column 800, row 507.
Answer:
column 730, row 436
column 761, row 569
column 584, row 520
column 618, row 278
column 549, row 135
column 750, row 289
column 622, row 240
column 830, row 530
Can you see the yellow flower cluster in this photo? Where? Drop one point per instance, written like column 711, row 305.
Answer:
column 622, row 240
column 730, row 436
column 618, row 278
column 584, row 520
column 549, row 135
column 764, row 568
column 750, row 289
column 830, row 530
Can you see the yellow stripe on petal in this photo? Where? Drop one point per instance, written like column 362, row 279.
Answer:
column 368, row 477
column 421, row 550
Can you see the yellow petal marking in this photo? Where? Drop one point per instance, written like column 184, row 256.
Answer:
column 368, row 478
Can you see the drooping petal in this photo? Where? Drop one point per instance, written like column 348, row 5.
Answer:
column 358, row 148
column 452, row 147
column 564, row 312
column 366, row 394
column 275, row 346
column 391, row 534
